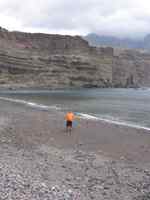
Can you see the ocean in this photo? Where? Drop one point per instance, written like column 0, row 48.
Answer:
column 129, row 107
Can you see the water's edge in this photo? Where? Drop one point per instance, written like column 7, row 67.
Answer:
column 80, row 115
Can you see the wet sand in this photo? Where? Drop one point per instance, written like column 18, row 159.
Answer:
column 97, row 161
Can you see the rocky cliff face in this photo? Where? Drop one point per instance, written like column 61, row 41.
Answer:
column 131, row 68
column 55, row 61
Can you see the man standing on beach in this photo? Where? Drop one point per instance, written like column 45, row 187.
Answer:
column 69, row 120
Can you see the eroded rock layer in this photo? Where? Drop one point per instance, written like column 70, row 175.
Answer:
column 56, row 61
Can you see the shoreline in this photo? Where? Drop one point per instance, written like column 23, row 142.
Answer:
column 89, row 134
column 80, row 115
column 123, row 123
column 26, row 87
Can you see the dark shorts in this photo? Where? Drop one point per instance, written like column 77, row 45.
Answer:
column 68, row 123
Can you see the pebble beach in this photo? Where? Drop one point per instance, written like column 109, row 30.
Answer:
column 99, row 160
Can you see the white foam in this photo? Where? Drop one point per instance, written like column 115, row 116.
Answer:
column 123, row 123
column 31, row 104
column 81, row 115
column 87, row 116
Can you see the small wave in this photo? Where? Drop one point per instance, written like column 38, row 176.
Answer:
column 112, row 121
column 31, row 104
column 87, row 116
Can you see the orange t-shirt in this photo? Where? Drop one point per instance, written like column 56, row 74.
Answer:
column 69, row 116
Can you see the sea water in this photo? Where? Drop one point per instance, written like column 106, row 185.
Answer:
column 129, row 107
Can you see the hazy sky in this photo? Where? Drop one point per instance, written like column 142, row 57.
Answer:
column 124, row 18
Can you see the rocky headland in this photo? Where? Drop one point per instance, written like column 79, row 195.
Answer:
column 57, row 61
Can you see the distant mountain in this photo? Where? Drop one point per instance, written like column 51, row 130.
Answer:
column 147, row 42
column 98, row 40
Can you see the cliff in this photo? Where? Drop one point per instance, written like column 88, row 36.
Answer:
column 56, row 61
column 131, row 68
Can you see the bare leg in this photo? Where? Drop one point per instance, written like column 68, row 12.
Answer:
column 70, row 128
column 67, row 129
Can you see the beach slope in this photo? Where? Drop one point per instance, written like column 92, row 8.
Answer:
column 99, row 160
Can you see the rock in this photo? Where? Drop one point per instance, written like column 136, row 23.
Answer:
column 43, row 184
column 122, row 158
column 56, row 61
